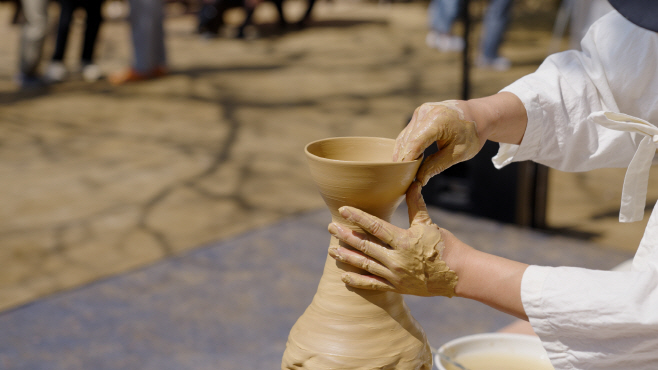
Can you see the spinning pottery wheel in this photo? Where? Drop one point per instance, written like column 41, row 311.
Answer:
column 343, row 327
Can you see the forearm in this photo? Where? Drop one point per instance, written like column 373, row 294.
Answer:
column 501, row 117
column 489, row 279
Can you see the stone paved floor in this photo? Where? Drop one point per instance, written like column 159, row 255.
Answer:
column 99, row 180
column 231, row 304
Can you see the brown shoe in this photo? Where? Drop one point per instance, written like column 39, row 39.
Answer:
column 159, row 72
column 131, row 75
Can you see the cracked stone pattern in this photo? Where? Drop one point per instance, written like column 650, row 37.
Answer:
column 97, row 180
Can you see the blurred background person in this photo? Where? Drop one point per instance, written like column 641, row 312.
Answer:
column 33, row 34
column 56, row 71
column 585, row 13
column 442, row 15
column 578, row 16
column 211, row 15
column 149, row 55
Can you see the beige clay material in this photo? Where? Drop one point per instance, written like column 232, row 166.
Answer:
column 347, row 328
column 410, row 261
column 419, row 262
column 456, row 137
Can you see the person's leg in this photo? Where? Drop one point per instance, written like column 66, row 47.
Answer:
column 93, row 24
column 65, row 15
column 56, row 71
column 495, row 22
column 307, row 14
column 158, row 40
column 33, row 34
column 93, row 9
column 211, row 17
column 442, row 14
column 146, row 20
column 248, row 15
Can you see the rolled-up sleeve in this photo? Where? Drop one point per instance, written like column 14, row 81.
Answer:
column 603, row 320
column 610, row 74
column 589, row 319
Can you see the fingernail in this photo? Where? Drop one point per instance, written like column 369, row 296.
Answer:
column 333, row 230
column 345, row 212
column 346, row 279
column 333, row 252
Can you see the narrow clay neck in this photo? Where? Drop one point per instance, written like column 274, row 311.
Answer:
column 345, row 300
column 331, row 284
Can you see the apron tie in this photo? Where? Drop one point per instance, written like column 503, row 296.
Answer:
column 636, row 180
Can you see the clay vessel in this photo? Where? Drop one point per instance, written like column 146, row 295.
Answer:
column 347, row 328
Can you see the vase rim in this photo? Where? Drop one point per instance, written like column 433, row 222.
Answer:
column 356, row 163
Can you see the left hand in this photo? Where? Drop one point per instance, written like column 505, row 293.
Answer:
column 403, row 261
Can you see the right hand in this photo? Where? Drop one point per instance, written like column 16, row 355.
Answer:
column 407, row 261
column 443, row 123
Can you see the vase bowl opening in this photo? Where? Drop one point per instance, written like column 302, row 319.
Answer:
column 360, row 172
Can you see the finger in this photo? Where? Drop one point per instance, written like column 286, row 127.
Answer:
column 417, row 209
column 367, row 282
column 361, row 242
column 416, row 144
column 406, row 145
column 377, row 227
column 359, row 260
column 420, row 134
column 399, row 141
column 411, row 126
column 435, row 164
column 427, row 127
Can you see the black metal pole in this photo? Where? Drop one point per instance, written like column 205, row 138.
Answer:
column 466, row 63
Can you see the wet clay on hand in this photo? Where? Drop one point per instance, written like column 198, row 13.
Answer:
column 409, row 261
column 343, row 327
column 445, row 124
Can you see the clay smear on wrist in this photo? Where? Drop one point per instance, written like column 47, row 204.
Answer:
column 347, row 328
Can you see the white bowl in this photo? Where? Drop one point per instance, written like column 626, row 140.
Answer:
column 494, row 347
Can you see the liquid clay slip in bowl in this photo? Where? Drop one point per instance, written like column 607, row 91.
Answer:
column 493, row 351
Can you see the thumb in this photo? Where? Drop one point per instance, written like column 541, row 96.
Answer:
column 418, row 214
column 399, row 144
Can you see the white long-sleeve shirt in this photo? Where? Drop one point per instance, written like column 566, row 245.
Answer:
column 590, row 319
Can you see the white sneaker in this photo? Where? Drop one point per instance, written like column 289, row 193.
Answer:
column 444, row 42
column 91, row 72
column 56, row 72
column 497, row 64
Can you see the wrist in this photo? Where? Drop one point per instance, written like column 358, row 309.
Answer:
column 501, row 117
column 494, row 281
column 456, row 255
column 483, row 277
column 478, row 111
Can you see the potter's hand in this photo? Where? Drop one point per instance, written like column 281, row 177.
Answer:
column 443, row 123
column 403, row 261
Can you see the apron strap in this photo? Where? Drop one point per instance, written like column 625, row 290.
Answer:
column 636, row 180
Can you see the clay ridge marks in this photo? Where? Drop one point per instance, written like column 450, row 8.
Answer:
column 350, row 328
